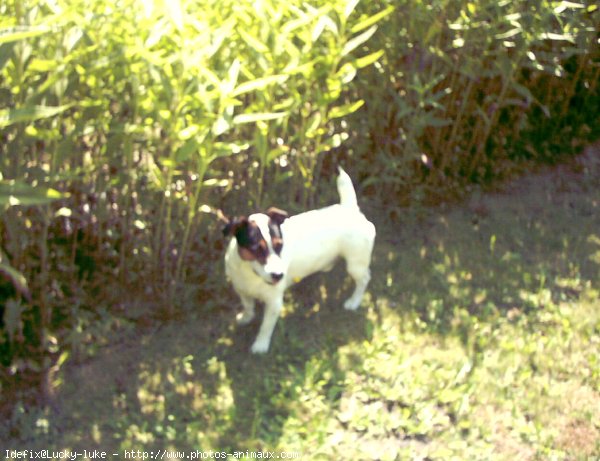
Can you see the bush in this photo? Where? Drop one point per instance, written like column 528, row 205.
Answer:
column 122, row 122
column 120, row 118
column 464, row 87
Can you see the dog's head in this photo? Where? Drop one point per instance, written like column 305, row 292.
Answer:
column 260, row 242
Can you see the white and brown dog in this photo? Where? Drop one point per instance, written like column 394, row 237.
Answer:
column 271, row 251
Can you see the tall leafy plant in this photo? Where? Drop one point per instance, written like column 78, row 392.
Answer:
column 135, row 123
column 465, row 88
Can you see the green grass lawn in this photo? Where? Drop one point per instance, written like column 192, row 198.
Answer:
column 479, row 339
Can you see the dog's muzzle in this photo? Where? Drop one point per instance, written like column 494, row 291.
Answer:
column 274, row 277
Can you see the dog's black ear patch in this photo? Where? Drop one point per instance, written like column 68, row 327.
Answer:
column 227, row 229
column 245, row 232
column 277, row 215
column 233, row 226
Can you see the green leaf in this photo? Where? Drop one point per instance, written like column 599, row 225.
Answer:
column 324, row 22
column 350, row 7
column 355, row 42
column 13, row 34
column 295, row 24
column 434, row 30
column 368, row 59
column 523, row 91
column 368, row 22
column 186, row 150
column 345, row 109
column 509, row 34
column 305, row 68
column 234, row 71
column 214, row 182
column 259, row 84
column 557, row 37
column 253, row 42
column 314, row 125
column 5, row 54
column 221, row 126
column 223, row 149
column 258, row 117
column 188, row 132
column 42, row 65
column 275, row 153
column 175, row 13
column 17, row 279
column 564, row 5
column 210, row 76
column 19, row 193
column 437, row 122
column 29, row 114
column 346, row 73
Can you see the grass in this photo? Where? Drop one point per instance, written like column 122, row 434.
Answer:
column 479, row 339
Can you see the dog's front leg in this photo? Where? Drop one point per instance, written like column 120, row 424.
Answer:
column 246, row 316
column 272, row 311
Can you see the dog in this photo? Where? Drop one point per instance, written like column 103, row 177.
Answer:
column 270, row 251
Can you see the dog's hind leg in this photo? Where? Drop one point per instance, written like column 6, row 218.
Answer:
column 361, row 276
column 272, row 310
column 246, row 316
column 357, row 254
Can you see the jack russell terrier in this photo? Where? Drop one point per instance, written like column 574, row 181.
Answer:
column 271, row 251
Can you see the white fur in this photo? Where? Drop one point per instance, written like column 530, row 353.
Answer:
column 312, row 242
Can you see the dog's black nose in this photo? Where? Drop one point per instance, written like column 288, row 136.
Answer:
column 276, row 276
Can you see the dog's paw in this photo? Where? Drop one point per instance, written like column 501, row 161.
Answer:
column 244, row 318
column 352, row 304
column 260, row 347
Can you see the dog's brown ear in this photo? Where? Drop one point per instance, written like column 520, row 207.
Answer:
column 277, row 215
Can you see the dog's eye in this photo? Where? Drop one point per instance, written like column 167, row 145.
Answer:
column 260, row 249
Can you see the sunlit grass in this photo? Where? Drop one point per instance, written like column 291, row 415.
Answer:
column 479, row 336
column 476, row 341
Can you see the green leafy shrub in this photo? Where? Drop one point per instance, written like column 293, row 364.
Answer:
column 135, row 111
column 465, row 87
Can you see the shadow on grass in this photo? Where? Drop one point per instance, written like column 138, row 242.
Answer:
column 505, row 253
column 193, row 385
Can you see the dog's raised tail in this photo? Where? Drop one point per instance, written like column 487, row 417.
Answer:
column 346, row 189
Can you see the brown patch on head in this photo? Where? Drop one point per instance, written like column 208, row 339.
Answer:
column 251, row 243
column 246, row 254
column 262, row 251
